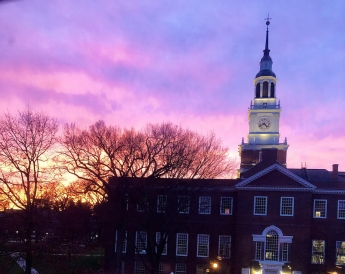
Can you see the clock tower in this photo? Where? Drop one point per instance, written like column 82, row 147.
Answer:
column 263, row 115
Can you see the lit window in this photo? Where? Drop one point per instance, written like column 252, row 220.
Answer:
column 271, row 250
column 181, row 244
column 205, row 205
column 286, row 206
column 139, row 267
column 320, row 208
column 341, row 209
column 181, row 268
column 318, row 252
column 201, row 269
column 340, row 253
column 203, row 245
column 158, row 238
column 226, row 205
column 224, row 246
column 260, row 205
column 161, row 203
column 183, row 204
column 141, row 242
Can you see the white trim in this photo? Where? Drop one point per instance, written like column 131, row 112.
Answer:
column 293, row 206
column 206, row 236
column 266, row 201
column 283, row 170
column 314, row 212
column 205, row 206
column 340, row 218
column 221, row 205
column 177, row 238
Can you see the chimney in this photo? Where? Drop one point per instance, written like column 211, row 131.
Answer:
column 335, row 173
column 269, row 154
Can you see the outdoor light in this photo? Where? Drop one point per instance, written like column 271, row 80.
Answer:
column 215, row 265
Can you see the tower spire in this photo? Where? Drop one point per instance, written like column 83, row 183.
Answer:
column 266, row 50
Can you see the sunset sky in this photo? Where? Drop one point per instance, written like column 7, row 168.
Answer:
column 189, row 62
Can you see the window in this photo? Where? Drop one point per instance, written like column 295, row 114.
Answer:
column 141, row 242
column 183, row 204
column 142, row 205
column 265, row 90
column 224, row 246
column 139, row 267
column 201, row 269
column 320, row 208
column 203, row 245
column 161, row 268
column 271, row 250
column 286, row 206
column 205, row 205
column 124, row 244
column 341, row 209
column 158, row 238
column 161, row 203
column 226, row 205
column 260, row 205
column 257, row 90
column 181, row 268
column 285, row 252
column 340, row 253
column 182, row 244
column 318, row 252
column 258, row 250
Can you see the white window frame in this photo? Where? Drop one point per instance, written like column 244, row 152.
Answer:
column 203, row 245
column 158, row 238
column 256, row 199
column 226, row 205
column 205, row 205
column 317, row 211
column 224, row 246
column 183, row 204
column 141, row 242
column 314, row 253
column 181, row 242
column 284, row 207
column 341, row 209
column 340, row 253
column 161, row 203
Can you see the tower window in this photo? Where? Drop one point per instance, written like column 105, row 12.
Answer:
column 257, row 90
column 272, row 90
column 265, row 90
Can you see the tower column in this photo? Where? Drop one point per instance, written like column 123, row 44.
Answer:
column 261, row 87
column 269, row 89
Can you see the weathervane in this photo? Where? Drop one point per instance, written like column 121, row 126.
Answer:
column 267, row 20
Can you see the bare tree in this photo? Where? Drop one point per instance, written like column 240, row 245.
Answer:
column 162, row 150
column 26, row 141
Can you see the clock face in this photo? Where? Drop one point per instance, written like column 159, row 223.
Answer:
column 264, row 123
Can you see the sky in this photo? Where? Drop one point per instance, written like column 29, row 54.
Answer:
column 188, row 62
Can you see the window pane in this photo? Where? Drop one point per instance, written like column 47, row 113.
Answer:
column 205, row 205
column 224, row 247
column 139, row 267
column 161, row 203
column 226, row 205
column 286, row 206
column 203, row 242
column 260, row 205
column 318, row 252
column 140, row 242
column 320, row 207
column 181, row 269
column 271, row 252
column 158, row 238
column 341, row 209
column 285, row 252
column 183, row 204
column 340, row 253
column 258, row 250
column 182, row 244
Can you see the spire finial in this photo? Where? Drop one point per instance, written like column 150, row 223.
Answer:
column 268, row 20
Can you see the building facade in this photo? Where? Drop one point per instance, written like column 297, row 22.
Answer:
column 270, row 220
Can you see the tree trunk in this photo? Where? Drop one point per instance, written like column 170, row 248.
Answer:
column 28, row 249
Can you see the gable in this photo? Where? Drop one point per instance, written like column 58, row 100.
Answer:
column 275, row 177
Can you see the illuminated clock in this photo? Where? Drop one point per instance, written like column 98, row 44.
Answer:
column 264, row 123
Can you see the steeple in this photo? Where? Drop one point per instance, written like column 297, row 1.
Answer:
column 266, row 60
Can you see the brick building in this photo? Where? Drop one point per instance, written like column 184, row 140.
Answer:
column 270, row 220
